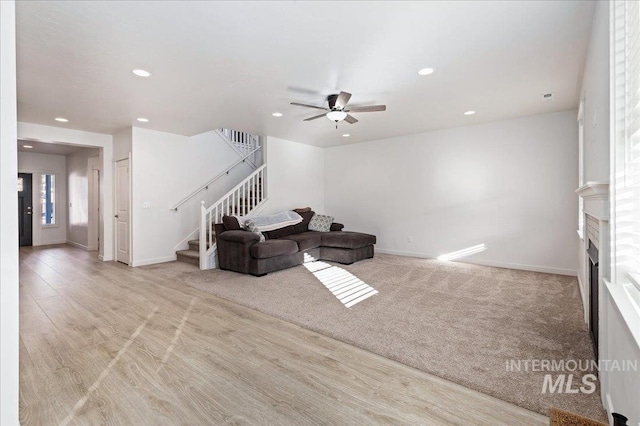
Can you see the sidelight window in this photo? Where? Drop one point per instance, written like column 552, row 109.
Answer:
column 48, row 199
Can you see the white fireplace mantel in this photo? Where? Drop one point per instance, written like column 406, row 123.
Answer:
column 596, row 199
column 594, row 190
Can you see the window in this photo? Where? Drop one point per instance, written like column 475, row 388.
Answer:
column 48, row 199
column 626, row 142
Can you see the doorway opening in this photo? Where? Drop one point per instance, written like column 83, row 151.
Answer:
column 25, row 209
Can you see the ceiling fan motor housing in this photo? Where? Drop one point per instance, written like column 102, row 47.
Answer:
column 332, row 101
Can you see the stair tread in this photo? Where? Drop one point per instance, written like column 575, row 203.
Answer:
column 188, row 253
column 198, row 241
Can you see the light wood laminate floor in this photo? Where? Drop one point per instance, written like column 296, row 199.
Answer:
column 104, row 343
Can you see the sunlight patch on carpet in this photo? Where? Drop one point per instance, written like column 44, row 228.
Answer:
column 347, row 288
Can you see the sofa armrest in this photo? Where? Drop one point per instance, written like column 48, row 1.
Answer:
column 238, row 236
column 335, row 226
column 233, row 249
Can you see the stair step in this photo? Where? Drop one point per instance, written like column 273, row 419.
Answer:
column 188, row 256
column 195, row 244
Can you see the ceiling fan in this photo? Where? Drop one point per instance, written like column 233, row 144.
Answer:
column 338, row 110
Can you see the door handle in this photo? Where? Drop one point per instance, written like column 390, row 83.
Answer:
column 116, row 216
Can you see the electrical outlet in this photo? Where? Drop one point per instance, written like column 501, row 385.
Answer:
column 409, row 239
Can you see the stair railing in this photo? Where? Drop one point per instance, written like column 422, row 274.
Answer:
column 218, row 176
column 240, row 200
column 245, row 142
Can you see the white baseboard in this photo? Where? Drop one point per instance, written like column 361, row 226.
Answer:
column 404, row 253
column 82, row 246
column 146, row 262
column 50, row 243
column 545, row 269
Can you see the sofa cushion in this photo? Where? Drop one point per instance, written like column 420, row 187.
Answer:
column 273, row 248
column 320, row 223
column 231, row 223
column 304, row 225
column 335, row 226
column 306, row 240
column 346, row 239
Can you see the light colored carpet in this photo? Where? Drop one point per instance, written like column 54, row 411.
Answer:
column 458, row 321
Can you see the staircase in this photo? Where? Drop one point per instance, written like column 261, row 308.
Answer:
column 192, row 255
column 243, row 143
column 242, row 200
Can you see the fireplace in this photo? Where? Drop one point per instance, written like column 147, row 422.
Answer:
column 594, row 264
column 594, row 288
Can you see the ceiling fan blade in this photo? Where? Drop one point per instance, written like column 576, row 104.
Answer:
column 342, row 100
column 314, row 117
column 350, row 119
column 368, row 108
column 310, row 106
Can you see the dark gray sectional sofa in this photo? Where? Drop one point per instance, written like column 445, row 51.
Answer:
column 241, row 251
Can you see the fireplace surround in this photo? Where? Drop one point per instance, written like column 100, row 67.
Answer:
column 594, row 254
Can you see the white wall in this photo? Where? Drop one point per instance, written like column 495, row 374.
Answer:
column 37, row 165
column 77, row 177
column 508, row 184
column 165, row 169
column 295, row 176
column 49, row 134
column 8, row 220
column 595, row 90
column 122, row 144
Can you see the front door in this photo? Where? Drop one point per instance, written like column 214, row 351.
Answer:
column 122, row 211
column 25, row 209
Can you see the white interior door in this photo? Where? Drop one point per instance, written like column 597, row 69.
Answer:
column 122, row 212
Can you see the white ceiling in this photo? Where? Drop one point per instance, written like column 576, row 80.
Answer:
column 50, row 148
column 231, row 64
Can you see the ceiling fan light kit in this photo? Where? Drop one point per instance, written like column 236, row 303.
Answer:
column 336, row 115
column 337, row 109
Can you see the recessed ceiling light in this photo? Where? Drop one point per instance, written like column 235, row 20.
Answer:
column 277, row 114
column 27, row 146
column 425, row 71
column 62, row 120
column 143, row 120
column 346, row 135
column 141, row 73
column 469, row 112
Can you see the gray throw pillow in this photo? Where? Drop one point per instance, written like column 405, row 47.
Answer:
column 250, row 226
column 320, row 223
